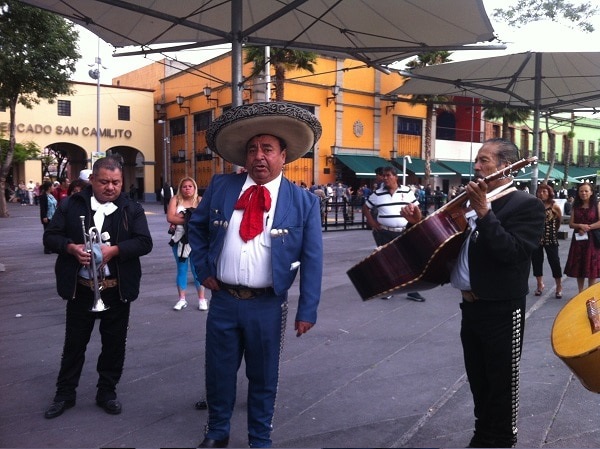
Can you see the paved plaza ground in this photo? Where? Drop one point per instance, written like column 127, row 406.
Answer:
column 369, row 374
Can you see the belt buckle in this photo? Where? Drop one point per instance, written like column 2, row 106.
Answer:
column 241, row 293
column 245, row 293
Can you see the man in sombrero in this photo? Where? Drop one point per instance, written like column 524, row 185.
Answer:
column 250, row 235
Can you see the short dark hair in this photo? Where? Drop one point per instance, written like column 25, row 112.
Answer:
column 379, row 171
column 390, row 169
column 108, row 163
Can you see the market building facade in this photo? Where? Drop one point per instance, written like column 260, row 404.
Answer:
column 70, row 125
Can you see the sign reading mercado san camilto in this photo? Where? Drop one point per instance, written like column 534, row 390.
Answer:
column 85, row 131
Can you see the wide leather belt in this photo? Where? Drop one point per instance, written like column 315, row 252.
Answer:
column 389, row 228
column 243, row 292
column 104, row 283
column 469, row 296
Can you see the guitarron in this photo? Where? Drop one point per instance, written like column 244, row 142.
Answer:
column 420, row 257
column 575, row 337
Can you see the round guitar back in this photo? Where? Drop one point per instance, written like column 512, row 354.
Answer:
column 574, row 342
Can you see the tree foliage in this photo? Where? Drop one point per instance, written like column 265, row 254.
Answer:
column 282, row 60
column 509, row 116
column 38, row 52
column 525, row 11
column 433, row 102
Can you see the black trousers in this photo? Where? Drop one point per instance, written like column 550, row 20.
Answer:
column 492, row 340
column 537, row 261
column 79, row 326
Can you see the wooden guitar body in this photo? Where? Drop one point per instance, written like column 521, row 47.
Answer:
column 418, row 259
column 574, row 341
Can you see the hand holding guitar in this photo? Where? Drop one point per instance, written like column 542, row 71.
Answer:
column 476, row 193
column 412, row 213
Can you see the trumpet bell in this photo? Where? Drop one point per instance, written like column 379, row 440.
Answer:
column 99, row 306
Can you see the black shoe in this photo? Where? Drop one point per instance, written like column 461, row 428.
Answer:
column 386, row 297
column 57, row 408
column 112, row 406
column 209, row 442
column 415, row 296
column 201, row 405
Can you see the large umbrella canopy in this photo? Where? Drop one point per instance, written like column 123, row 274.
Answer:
column 375, row 32
column 540, row 81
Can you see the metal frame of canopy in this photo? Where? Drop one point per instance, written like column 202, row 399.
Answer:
column 377, row 33
column 549, row 81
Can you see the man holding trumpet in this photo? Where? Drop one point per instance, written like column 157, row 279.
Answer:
column 102, row 223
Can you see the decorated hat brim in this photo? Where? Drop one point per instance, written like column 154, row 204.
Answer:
column 229, row 134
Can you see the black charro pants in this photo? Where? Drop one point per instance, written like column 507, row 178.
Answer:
column 492, row 340
column 79, row 326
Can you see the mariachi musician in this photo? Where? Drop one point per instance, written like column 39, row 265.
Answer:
column 125, row 238
column 492, row 273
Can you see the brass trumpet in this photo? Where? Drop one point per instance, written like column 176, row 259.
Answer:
column 91, row 237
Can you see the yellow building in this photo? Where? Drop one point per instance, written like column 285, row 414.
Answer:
column 361, row 128
column 70, row 125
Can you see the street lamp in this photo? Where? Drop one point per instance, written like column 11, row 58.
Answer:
column 95, row 75
column 404, row 159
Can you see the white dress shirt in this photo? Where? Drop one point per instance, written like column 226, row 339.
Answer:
column 249, row 263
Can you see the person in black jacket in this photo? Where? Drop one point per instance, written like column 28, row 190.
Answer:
column 492, row 273
column 125, row 238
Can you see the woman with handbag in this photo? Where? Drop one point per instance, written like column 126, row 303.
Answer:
column 548, row 242
column 178, row 212
column 584, row 254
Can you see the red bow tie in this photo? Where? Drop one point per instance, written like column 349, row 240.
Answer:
column 254, row 201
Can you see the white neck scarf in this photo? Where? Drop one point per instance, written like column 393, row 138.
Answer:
column 102, row 210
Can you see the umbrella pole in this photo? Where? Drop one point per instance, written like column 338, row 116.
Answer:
column 536, row 119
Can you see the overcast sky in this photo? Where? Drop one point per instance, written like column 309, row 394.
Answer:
column 539, row 36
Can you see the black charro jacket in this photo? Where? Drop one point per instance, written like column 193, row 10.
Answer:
column 128, row 228
column 500, row 256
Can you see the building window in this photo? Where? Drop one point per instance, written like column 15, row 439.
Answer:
column 592, row 154
column 202, row 121
column 581, row 159
column 496, row 131
column 64, row 107
column 524, row 143
column 410, row 126
column 177, row 126
column 124, row 113
column 446, row 126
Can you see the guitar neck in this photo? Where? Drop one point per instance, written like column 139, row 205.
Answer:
column 503, row 173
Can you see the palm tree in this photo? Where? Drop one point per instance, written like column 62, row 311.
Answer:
column 283, row 60
column 433, row 102
column 509, row 116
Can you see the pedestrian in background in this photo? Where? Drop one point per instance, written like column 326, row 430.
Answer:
column 179, row 212
column 548, row 242
column 47, row 207
column 166, row 193
column 389, row 210
column 583, row 261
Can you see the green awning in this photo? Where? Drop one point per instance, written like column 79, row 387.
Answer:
column 579, row 173
column 362, row 166
column 463, row 168
column 555, row 174
column 417, row 166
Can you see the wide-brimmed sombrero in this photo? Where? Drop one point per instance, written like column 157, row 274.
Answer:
column 228, row 134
